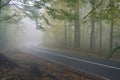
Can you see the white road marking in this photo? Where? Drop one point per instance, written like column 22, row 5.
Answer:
column 77, row 59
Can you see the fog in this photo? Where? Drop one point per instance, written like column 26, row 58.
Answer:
column 76, row 27
column 20, row 34
column 31, row 34
column 25, row 33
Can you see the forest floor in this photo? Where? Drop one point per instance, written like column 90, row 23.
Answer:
column 19, row 65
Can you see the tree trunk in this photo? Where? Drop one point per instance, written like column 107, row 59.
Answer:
column 111, row 28
column 111, row 36
column 0, row 28
column 77, row 28
column 70, row 37
column 66, row 41
column 100, row 36
column 4, row 33
column 0, row 5
column 92, row 36
column 0, row 36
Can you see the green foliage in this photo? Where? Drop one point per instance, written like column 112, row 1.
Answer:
column 60, row 14
column 116, row 49
column 71, row 3
column 111, row 12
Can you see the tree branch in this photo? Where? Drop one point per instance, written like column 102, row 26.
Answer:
column 2, row 5
column 7, row 18
column 92, row 10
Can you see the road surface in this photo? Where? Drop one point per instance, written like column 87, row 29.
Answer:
column 110, row 70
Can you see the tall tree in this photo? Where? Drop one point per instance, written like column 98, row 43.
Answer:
column 111, row 27
column 77, row 26
column 100, row 34
column 101, row 28
column 66, row 38
column 70, row 14
column 92, row 36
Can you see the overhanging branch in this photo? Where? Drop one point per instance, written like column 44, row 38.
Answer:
column 2, row 5
column 93, row 10
column 7, row 18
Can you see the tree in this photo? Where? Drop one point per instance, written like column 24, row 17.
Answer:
column 7, row 16
column 66, row 38
column 111, row 27
column 77, row 26
column 70, row 16
column 92, row 37
column 100, row 34
column 3, row 3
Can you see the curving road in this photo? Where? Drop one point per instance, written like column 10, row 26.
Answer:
column 109, row 70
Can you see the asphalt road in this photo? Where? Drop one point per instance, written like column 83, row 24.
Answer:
column 110, row 70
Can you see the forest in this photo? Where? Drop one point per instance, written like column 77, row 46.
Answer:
column 90, row 25
column 59, row 39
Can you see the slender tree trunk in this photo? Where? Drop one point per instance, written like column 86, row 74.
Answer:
column 83, row 34
column 70, row 37
column 0, row 5
column 66, row 41
column 0, row 27
column 111, row 36
column 100, row 35
column 4, row 33
column 92, row 37
column 0, row 36
column 111, row 28
column 77, row 35
column 77, row 28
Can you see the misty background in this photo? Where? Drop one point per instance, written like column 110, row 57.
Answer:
column 88, row 26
